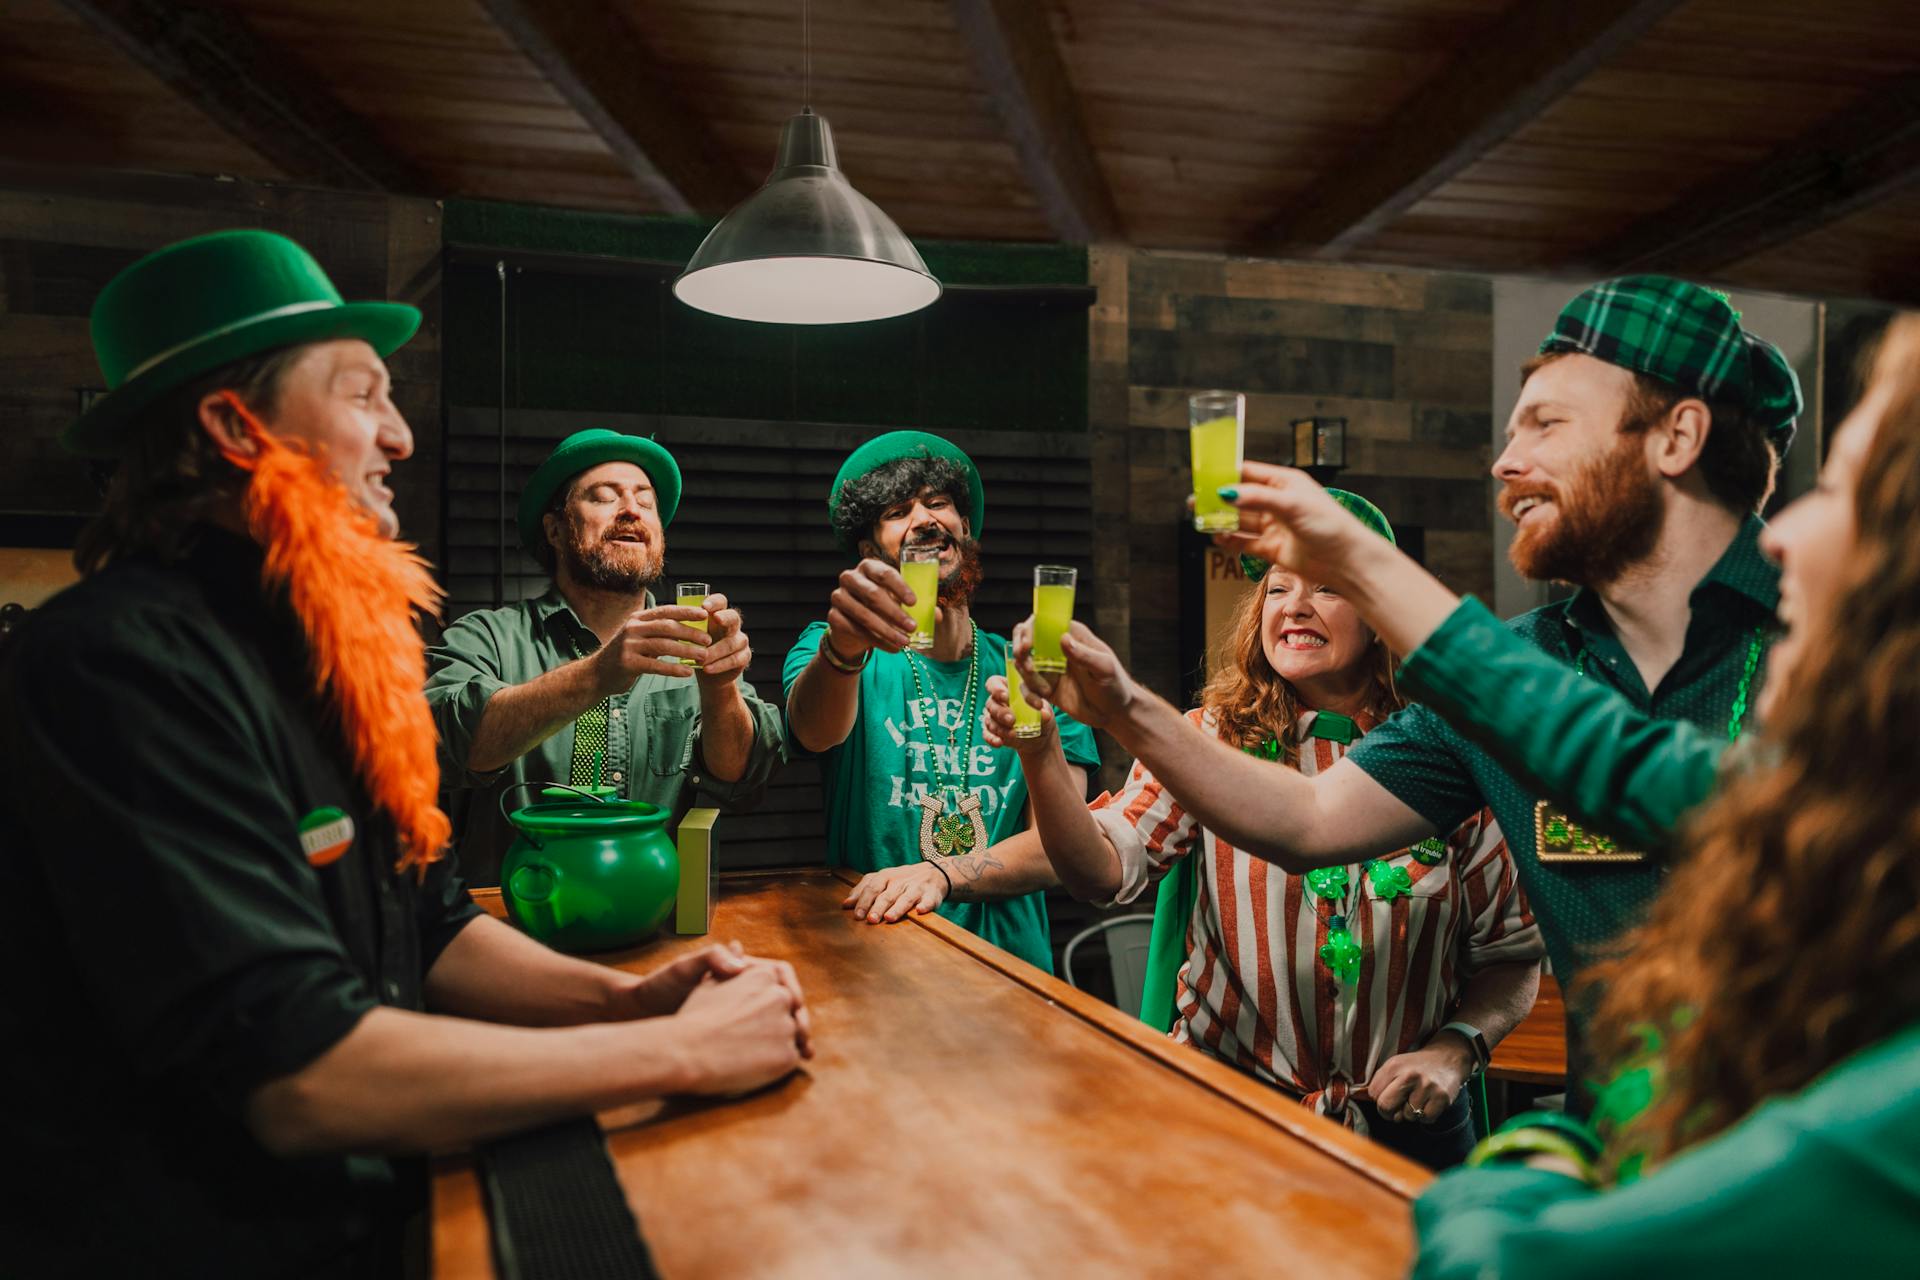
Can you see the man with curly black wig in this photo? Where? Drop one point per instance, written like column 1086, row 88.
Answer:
column 914, row 796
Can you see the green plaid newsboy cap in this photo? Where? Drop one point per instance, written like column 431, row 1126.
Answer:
column 1681, row 333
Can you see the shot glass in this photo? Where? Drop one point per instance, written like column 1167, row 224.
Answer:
column 692, row 595
column 1218, row 434
column 1026, row 719
column 1052, row 614
column 920, row 566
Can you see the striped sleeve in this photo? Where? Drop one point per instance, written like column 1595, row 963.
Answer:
column 1147, row 827
column 1500, row 924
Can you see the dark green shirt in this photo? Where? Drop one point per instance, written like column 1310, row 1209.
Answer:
column 170, row 946
column 1444, row 776
column 651, row 733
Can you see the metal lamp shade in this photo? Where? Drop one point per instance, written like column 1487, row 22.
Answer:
column 806, row 248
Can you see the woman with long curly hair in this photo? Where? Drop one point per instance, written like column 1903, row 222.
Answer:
column 1361, row 990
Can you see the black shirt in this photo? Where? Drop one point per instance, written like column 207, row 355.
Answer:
column 168, row 944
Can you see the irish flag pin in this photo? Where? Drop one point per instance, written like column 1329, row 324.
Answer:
column 325, row 835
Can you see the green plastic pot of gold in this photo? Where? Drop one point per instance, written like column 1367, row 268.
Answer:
column 586, row 873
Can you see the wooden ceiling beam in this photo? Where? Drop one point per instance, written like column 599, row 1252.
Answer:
column 1506, row 77
column 1848, row 162
column 285, row 114
column 1018, row 64
column 589, row 52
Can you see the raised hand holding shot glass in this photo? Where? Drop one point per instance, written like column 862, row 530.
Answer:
column 920, row 567
column 693, row 595
column 1217, row 432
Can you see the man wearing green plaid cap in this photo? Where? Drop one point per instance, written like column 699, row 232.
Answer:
column 1646, row 437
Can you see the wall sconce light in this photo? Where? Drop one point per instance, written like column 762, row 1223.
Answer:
column 1320, row 444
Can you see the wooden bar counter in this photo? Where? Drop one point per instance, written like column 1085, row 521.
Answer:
column 965, row 1114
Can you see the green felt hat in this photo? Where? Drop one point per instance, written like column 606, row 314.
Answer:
column 1686, row 335
column 1371, row 516
column 186, row 310
column 584, row 450
column 892, row 447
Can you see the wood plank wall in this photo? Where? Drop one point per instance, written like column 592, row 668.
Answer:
column 752, row 522
column 1404, row 356
column 64, row 234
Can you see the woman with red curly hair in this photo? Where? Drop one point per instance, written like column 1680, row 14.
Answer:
column 1369, row 991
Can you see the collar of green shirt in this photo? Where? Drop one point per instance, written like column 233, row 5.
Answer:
column 1743, row 570
column 551, row 611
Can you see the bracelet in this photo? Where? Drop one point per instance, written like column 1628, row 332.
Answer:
column 844, row 666
column 935, row 864
column 1575, row 1131
column 1517, row 1144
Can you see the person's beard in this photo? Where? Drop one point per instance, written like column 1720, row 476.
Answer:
column 606, row 565
column 1607, row 518
column 958, row 584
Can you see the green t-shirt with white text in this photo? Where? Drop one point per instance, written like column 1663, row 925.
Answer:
column 874, row 780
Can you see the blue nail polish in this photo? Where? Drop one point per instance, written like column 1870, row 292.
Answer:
column 1227, row 492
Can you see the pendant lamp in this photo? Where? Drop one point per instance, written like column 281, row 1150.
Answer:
column 806, row 248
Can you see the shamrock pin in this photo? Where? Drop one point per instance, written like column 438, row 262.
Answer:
column 1327, row 882
column 1389, row 881
column 1341, row 954
column 952, row 835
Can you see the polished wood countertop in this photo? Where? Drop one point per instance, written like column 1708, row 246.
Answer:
column 966, row 1114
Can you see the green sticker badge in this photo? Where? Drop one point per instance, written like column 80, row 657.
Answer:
column 325, row 835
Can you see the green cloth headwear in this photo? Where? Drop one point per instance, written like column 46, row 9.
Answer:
column 196, row 306
column 584, row 450
column 892, row 447
column 1371, row 516
column 1688, row 336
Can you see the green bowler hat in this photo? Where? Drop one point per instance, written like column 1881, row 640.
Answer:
column 1371, row 516
column 584, row 450
column 193, row 307
column 892, row 447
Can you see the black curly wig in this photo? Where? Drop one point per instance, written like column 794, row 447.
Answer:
column 865, row 499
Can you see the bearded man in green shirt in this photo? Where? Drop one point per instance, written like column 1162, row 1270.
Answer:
column 914, row 796
column 594, row 683
column 1647, row 435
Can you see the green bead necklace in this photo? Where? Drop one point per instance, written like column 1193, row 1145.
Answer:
column 948, row 834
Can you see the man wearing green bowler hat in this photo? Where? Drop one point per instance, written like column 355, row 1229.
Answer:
column 1647, row 435
column 594, row 682
column 252, row 989
column 914, row 797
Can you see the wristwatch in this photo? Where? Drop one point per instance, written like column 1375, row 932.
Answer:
column 1475, row 1041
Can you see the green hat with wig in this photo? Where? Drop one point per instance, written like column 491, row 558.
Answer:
column 584, row 450
column 893, row 447
column 1371, row 516
column 194, row 307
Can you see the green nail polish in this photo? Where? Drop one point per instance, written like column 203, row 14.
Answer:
column 1228, row 493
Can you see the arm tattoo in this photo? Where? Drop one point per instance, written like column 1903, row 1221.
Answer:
column 967, row 870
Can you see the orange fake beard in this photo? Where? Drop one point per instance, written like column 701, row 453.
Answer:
column 356, row 592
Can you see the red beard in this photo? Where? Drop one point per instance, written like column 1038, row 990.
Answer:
column 356, row 592
column 1606, row 518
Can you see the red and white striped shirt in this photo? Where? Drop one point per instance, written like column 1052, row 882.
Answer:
column 1254, row 990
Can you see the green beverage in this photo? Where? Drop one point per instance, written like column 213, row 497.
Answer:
column 1026, row 719
column 1052, row 614
column 692, row 595
column 920, row 566
column 1217, row 436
